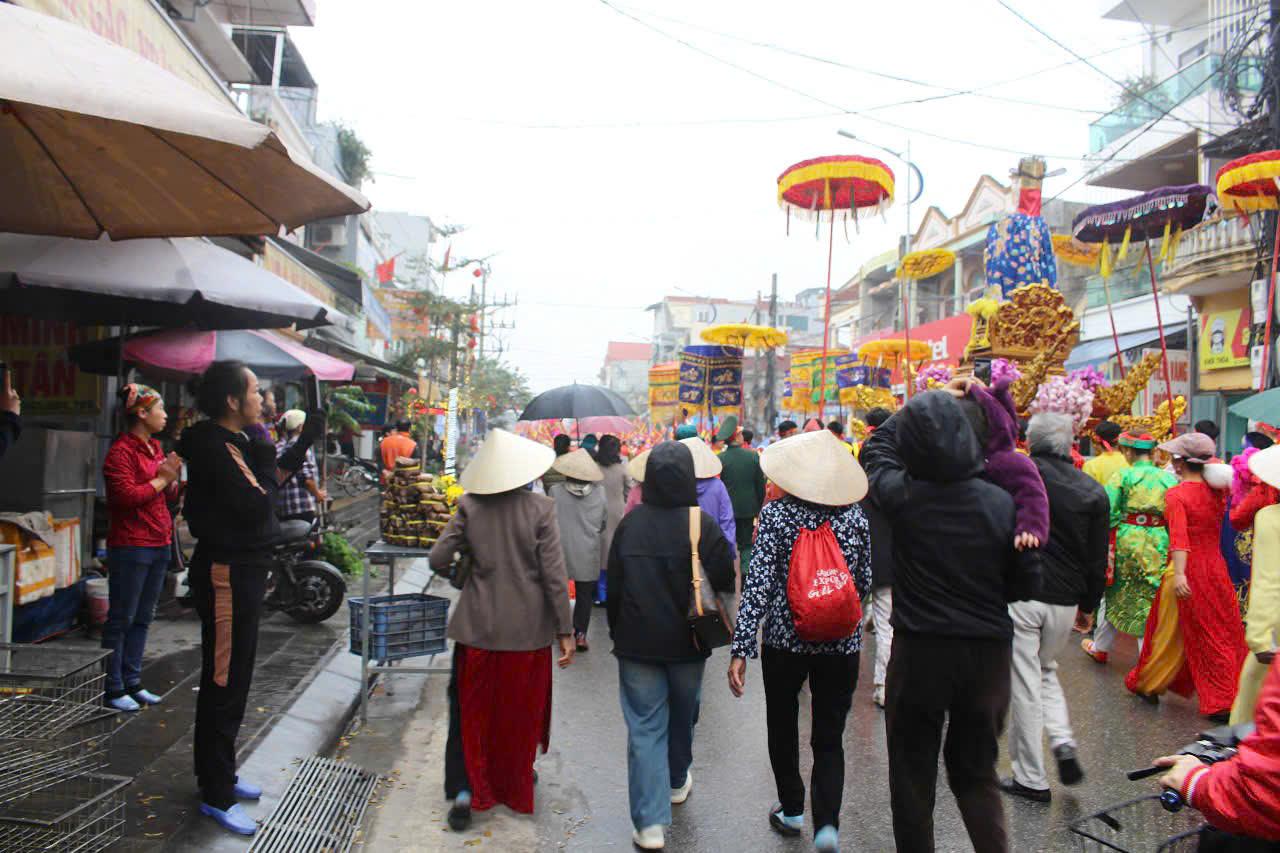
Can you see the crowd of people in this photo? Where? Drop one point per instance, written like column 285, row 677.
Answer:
column 975, row 553
column 972, row 554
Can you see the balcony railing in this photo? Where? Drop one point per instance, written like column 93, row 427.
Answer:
column 1211, row 242
column 1197, row 78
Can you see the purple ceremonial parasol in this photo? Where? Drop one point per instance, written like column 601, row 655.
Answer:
column 1145, row 216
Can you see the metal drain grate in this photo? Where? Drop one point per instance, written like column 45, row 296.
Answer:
column 321, row 809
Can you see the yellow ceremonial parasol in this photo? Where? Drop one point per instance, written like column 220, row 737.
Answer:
column 1071, row 251
column 917, row 265
column 744, row 335
column 893, row 351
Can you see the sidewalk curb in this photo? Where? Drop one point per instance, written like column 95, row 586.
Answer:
column 312, row 724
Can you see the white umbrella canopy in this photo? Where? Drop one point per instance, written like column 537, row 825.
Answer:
column 99, row 140
column 180, row 281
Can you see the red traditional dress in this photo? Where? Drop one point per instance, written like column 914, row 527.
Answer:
column 1206, row 651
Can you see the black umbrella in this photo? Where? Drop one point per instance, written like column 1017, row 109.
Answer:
column 575, row 401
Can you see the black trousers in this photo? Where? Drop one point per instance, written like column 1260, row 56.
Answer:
column 455, row 767
column 585, row 596
column 228, row 598
column 832, row 679
column 931, row 679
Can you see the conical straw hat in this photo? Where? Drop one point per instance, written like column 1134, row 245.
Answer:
column 1265, row 465
column 635, row 468
column 505, row 462
column 705, row 463
column 578, row 465
column 815, row 467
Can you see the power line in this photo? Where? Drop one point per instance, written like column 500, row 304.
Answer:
column 1090, row 64
column 830, row 104
column 976, row 91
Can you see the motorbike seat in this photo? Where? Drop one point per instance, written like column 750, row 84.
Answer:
column 293, row 530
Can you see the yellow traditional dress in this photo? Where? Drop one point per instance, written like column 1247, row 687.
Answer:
column 1262, row 622
column 1105, row 465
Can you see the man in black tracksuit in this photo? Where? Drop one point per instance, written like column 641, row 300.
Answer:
column 230, row 509
column 955, row 568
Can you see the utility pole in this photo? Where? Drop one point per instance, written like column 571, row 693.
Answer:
column 770, row 370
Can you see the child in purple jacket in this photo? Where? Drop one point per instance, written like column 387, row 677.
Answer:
column 1009, row 469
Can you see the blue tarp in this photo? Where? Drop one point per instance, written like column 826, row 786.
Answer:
column 1099, row 350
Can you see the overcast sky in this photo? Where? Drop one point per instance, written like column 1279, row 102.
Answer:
column 607, row 164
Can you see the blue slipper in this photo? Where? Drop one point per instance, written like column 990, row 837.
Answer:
column 234, row 818
column 247, row 790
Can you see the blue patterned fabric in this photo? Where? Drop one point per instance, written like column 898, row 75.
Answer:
column 764, row 594
column 1020, row 251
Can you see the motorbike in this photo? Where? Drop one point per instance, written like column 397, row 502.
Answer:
column 307, row 588
column 1160, row 821
column 302, row 585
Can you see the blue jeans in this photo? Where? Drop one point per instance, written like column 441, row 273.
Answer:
column 660, row 706
column 135, row 578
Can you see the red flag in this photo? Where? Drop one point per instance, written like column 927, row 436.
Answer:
column 447, row 250
column 386, row 272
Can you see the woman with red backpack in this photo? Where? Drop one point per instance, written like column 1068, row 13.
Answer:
column 809, row 570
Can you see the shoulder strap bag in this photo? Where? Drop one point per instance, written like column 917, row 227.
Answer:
column 709, row 623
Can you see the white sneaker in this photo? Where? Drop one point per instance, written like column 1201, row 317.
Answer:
column 649, row 838
column 124, row 703
column 877, row 696
column 679, row 795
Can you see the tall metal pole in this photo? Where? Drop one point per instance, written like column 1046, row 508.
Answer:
column 771, row 409
column 484, row 286
column 1272, row 221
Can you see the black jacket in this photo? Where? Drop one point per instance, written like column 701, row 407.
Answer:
column 955, row 567
column 1074, row 560
column 231, row 489
column 650, row 566
column 881, row 544
column 10, row 429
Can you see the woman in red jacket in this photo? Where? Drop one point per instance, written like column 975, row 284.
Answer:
column 1241, row 795
column 140, row 531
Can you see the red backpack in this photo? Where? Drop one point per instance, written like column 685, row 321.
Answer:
column 824, row 600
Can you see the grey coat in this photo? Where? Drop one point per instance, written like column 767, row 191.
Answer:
column 582, row 509
column 616, row 484
column 518, row 597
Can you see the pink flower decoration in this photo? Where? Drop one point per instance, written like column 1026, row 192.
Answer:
column 1066, row 396
column 936, row 373
column 1002, row 369
column 1090, row 377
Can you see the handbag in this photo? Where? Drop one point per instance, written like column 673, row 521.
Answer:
column 463, row 564
column 709, row 624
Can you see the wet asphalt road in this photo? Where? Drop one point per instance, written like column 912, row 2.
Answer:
column 582, row 795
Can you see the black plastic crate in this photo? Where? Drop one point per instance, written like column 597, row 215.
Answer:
column 401, row 626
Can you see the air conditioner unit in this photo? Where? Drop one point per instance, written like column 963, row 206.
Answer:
column 328, row 235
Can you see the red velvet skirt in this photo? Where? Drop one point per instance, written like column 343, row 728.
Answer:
column 505, row 698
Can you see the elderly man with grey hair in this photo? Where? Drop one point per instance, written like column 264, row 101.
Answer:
column 1074, row 568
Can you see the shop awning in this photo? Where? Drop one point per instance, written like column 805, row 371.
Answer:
column 1100, row 350
column 171, row 282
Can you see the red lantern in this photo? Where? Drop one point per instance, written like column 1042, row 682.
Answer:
column 477, row 272
column 475, row 323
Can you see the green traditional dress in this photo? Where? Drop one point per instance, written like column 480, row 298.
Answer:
column 1142, row 543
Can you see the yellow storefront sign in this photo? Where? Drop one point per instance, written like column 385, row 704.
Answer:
column 140, row 26
column 1224, row 339
column 50, row 384
column 281, row 263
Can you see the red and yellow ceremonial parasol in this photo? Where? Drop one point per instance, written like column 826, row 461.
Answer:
column 840, row 185
column 1247, row 184
column 924, row 263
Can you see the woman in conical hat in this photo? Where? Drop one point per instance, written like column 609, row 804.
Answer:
column 582, row 508
column 823, row 483
column 511, row 611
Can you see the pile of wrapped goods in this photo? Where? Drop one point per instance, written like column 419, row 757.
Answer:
column 415, row 506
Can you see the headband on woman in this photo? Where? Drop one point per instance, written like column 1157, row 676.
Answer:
column 139, row 398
